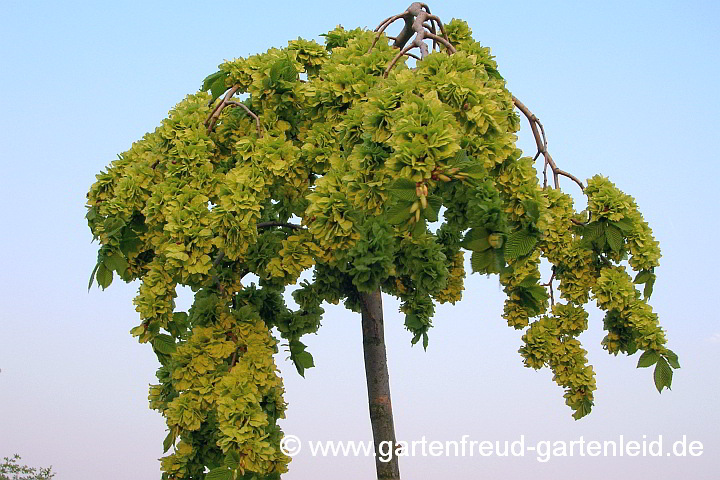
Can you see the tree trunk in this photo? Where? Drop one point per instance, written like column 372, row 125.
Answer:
column 378, row 384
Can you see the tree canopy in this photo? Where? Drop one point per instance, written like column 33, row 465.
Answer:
column 370, row 172
column 11, row 469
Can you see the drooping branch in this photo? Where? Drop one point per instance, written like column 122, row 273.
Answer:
column 235, row 103
column 225, row 102
column 541, row 141
column 549, row 284
column 420, row 23
column 215, row 114
column 402, row 52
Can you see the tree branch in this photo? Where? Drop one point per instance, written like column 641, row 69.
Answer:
column 402, row 52
column 418, row 23
column 279, row 224
column 549, row 284
column 541, row 141
column 235, row 103
column 226, row 101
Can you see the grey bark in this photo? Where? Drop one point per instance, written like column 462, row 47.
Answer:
column 378, row 384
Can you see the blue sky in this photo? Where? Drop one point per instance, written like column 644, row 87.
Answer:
column 626, row 89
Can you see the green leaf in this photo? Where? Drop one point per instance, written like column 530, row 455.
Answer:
column 593, row 231
column 404, row 189
column 169, row 441
column 419, row 228
column 117, row 262
column 663, row 375
column 584, row 409
column 647, row 359
column 296, row 346
column 414, row 323
column 302, row 360
column 672, row 359
column 642, row 277
column 433, row 207
column 137, row 331
column 538, row 293
column 626, row 225
column 300, row 357
column 474, row 170
column 519, row 244
column 104, row 276
column 220, row 473
column 91, row 215
column 232, row 459
column 631, row 347
column 480, row 261
column 469, row 166
column 497, row 265
column 305, row 359
column 403, row 183
column 532, row 209
column 217, row 88
column 113, row 226
column 647, row 291
column 282, row 69
column 533, row 298
column 399, row 213
column 478, row 245
column 476, row 239
column 425, row 340
column 210, row 79
column 130, row 242
column 164, row 343
column 614, row 238
column 435, row 201
column 601, row 243
column 92, row 275
column 529, row 281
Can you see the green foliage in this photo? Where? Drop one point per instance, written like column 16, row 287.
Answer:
column 388, row 182
column 11, row 469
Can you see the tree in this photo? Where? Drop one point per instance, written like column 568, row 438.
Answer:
column 11, row 470
column 377, row 177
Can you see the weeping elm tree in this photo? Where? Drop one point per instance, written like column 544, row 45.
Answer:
column 378, row 174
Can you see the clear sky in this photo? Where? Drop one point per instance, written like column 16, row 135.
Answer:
column 626, row 89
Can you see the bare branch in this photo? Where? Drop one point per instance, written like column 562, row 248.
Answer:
column 386, row 23
column 435, row 18
column 235, row 103
column 549, row 284
column 420, row 24
column 402, row 52
column 215, row 115
column 541, row 142
column 442, row 40
column 219, row 258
